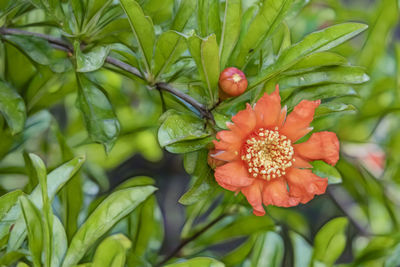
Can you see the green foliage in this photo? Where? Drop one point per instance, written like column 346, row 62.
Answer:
column 114, row 79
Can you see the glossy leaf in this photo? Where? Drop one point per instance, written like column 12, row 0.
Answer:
column 325, row 170
column 330, row 241
column 178, row 127
column 332, row 108
column 197, row 262
column 91, row 60
column 202, row 175
column 185, row 11
column 12, row 107
column 170, row 45
column 349, row 75
column 205, row 54
column 101, row 122
column 58, row 178
column 142, row 29
column 115, row 207
column 7, row 201
column 315, row 42
column 112, row 251
column 268, row 250
column 302, row 250
column 33, row 221
column 268, row 19
column 230, row 29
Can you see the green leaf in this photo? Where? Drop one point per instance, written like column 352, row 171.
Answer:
column 59, row 242
column 317, row 60
column 319, row 92
column 268, row 19
column 115, row 207
column 147, row 230
column 102, row 125
column 58, row 178
column 112, row 251
column 238, row 255
column 185, row 11
column 324, row 170
column 159, row 11
column 268, row 250
column 330, row 241
column 332, row 108
column 198, row 262
column 315, row 42
column 33, row 223
column 12, row 107
column 170, row 45
column 205, row 54
column 142, row 29
column 232, row 227
column 202, row 175
column 189, row 145
column 47, row 214
column 179, row 127
column 349, row 75
column 91, row 60
column 230, row 29
column 7, row 201
column 302, row 250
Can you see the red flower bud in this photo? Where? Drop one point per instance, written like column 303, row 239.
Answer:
column 232, row 81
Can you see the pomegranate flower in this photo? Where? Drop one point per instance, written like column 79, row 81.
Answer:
column 262, row 159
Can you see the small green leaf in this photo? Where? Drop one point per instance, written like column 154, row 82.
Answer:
column 12, row 107
column 198, row 262
column 332, row 108
column 170, row 45
column 59, row 242
column 189, row 145
column 179, row 127
column 268, row 250
column 302, row 250
column 112, row 251
column 230, row 29
column 102, row 125
column 202, row 175
column 315, row 42
column 91, row 60
column 324, row 170
column 115, row 207
column 205, row 54
column 317, row 60
column 58, row 178
column 33, row 224
column 319, row 92
column 348, row 75
column 185, row 11
column 268, row 19
column 142, row 29
column 330, row 241
column 7, row 201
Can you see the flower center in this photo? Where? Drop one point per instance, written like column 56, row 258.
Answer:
column 267, row 154
column 236, row 77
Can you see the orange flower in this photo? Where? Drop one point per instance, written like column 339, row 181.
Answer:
column 264, row 162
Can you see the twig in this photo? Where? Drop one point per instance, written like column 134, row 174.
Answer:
column 61, row 44
column 363, row 231
column 186, row 241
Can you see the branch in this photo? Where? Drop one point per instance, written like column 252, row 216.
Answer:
column 61, row 44
column 186, row 241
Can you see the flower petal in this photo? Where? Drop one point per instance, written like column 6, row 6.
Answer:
column 233, row 174
column 245, row 120
column 303, row 184
column 321, row 146
column 253, row 193
column 268, row 109
column 299, row 119
column 299, row 162
column 282, row 117
column 275, row 193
